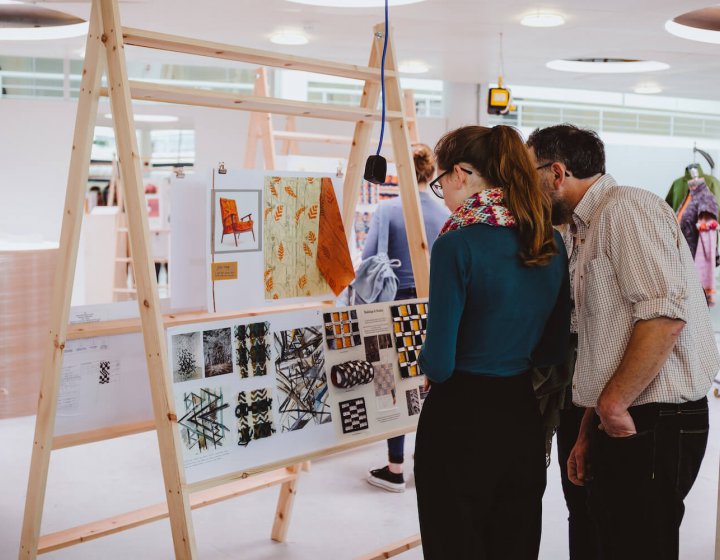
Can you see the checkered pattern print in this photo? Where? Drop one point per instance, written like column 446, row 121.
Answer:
column 104, row 373
column 409, row 327
column 342, row 329
column 353, row 414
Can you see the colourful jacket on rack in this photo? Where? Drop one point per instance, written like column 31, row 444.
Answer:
column 679, row 189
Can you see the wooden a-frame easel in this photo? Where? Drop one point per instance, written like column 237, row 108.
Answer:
column 260, row 128
column 105, row 50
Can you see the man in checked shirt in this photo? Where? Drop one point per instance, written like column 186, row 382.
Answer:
column 646, row 349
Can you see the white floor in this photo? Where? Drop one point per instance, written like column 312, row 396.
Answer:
column 337, row 514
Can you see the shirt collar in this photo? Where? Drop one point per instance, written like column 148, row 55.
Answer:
column 592, row 199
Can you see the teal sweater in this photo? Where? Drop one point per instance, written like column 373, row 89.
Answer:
column 488, row 313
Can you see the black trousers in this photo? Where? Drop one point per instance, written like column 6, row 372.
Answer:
column 480, row 469
column 639, row 482
column 581, row 528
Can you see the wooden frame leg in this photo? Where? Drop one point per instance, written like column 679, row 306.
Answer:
column 156, row 355
column 286, row 500
column 62, row 288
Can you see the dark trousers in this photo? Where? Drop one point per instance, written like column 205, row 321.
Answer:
column 480, row 469
column 581, row 528
column 396, row 445
column 639, row 482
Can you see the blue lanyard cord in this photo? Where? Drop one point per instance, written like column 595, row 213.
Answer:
column 382, row 80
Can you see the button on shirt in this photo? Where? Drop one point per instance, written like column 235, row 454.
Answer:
column 634, row 264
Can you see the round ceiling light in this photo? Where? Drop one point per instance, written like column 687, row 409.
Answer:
column 355, row 3
column 413, row 67
column 542, row 20
column 699, row 25
column 647, row 89
column 606, row 65
column 289, row 37
column 27, row 22
column 150, row 118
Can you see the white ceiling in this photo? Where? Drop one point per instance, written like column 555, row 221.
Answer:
column 458, row 39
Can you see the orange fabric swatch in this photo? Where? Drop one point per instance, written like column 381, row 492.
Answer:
column 333, row 256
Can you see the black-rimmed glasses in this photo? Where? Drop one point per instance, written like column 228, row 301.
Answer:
column 544, row 165
column 435, row 185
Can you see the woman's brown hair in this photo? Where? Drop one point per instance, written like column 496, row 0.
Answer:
column 424, row 160
column 501, row 158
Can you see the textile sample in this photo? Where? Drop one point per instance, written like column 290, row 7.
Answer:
column 217, row 349
column 413, row 402
column 410, row 326
column 301, row 381
column 372, row 349
column 384, row 380
column 104, row 373
column 254, row 416
column 202, row 426
column 350, row 374
column 342, row 329
column 353, row 415
column 252, row 349
column 333, row 254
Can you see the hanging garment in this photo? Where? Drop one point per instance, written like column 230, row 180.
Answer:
column 679, row 189
column 705, row 257
column 697, row 217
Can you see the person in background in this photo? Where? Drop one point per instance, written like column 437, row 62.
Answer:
column 390, row 477
column 499, row 305
column 646, row 349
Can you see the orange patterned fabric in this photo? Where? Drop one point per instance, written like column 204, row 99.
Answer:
column 333, row 256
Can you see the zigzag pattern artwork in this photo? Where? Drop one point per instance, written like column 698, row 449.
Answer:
column 202, row 427
column 254, row 416
column 413, row 402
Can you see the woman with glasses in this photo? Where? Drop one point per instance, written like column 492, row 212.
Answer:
column 499, row 304
column 391, row 476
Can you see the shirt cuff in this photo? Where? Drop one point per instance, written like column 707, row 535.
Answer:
column 660, row 307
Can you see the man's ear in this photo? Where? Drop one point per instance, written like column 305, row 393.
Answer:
column 558, row 171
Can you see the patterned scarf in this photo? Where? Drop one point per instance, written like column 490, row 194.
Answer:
column 484, row 207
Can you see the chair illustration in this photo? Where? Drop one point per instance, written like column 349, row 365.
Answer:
column 231, row 223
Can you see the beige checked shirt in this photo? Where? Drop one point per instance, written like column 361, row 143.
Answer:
column 634, row 264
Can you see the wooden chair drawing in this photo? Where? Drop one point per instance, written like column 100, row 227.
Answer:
column 231, row 223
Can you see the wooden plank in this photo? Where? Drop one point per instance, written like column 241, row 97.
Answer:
column 62, row 287
column 199, row 47
column 412, row 211
column 147, row 293
column 289, row 146
column 129, row 520
column 127, row 326
column 411, row 115
column 283, row 512
column 293, row 137
column 361, row 138
column 393, row 549
column 162, row 93
column 267, row 467
column 101, row 434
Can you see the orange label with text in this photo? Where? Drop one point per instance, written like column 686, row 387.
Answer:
column 225, row 271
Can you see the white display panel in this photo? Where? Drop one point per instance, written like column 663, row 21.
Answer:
column 104, row 383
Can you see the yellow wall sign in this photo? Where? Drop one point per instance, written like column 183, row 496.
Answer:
column 225, row 271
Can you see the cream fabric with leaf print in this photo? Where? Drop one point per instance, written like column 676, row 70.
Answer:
column 292, row 218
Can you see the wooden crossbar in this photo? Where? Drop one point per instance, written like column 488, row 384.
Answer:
column 147, row 91
column 101, row 434
column 199, row 47
column 143, row 516
column 394, row 549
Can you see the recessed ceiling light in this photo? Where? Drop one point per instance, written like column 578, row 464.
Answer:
column 692, row 33
column 355, row 3
column 413, row 67
column 606, row 66
column 289, row 37
column 150, row 118
column 647, row 89
column 542, row 20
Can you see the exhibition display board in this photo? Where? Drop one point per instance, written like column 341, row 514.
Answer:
column 88, row 360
